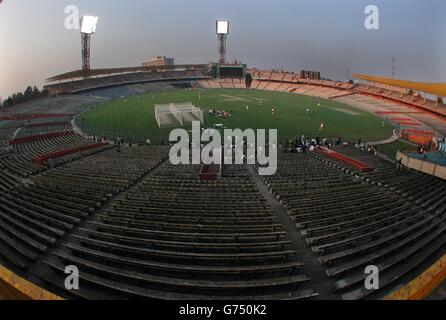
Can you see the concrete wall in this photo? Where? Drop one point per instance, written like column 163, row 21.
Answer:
column 422, row 166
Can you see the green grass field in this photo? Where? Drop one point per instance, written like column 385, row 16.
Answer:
column 391, row 149
column 133, row 118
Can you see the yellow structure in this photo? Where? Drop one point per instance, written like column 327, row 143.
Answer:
column 13, row 287
column 437, row 89
column 421, row 287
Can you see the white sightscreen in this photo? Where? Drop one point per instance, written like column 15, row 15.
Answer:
column 222, row 27
column 177, row 113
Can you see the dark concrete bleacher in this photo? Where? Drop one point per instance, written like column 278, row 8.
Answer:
column 139, row 227
column 33, row 216
column 394, row 219
column 175, row 237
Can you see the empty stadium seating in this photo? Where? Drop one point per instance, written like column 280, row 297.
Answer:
column 125, row 79
column 394, row 219
column 139, row 227
column 34, row 215
column 175, row 237
column 289, row 82
column 401, row 97
column 171, row 236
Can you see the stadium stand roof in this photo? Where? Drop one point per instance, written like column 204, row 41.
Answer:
column 438, row 89
column 109, row 71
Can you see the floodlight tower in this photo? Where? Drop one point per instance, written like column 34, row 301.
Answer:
column 222, row 33
column 88, row 27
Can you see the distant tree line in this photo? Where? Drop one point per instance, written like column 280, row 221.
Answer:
column 27, row 95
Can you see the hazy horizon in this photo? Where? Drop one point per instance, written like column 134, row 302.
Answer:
column 321, row 35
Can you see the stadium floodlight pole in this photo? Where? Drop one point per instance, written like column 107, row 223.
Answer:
column 86, row 40
column 88, row 27
column 222, row 33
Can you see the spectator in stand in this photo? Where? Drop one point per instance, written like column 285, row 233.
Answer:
column 325, row 142
column 50, row 164
column 399, row 165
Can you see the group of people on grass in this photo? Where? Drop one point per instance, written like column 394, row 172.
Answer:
column 305, row 144
column 220, row 114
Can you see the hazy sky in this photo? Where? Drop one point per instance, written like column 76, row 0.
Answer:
column 325, row 35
